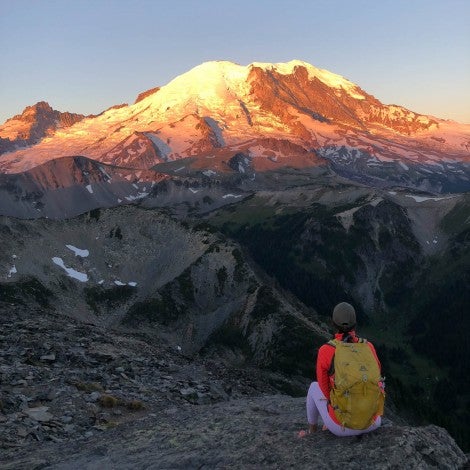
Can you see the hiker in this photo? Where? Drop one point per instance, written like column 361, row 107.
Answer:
column 348, row 406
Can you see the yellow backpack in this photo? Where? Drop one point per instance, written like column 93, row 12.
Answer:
column 357, row 396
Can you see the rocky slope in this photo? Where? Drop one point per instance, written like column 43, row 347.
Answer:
column 69, row 186
column 32, row 125
column 350, row 236
column 144, row 270
column 75, row 395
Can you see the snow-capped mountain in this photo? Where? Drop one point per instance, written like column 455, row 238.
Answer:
column 286, row 114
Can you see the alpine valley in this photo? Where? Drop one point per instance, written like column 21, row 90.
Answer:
column 185, row 252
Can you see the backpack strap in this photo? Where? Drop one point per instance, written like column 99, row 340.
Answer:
column 347, row 338
column 331, row 369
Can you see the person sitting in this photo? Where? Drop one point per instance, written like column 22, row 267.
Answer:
column 326, row 397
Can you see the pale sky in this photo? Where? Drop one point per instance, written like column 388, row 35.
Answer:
column 86, row 55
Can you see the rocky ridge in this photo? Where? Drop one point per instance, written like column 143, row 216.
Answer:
column 63, row 380
column 32, row 125
column 146, row 93
column 69, row 186
column 74, row 395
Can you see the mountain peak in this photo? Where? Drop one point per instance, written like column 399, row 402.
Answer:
column 30, row 111
column 34, row 123
column 221, row 85
column 231, row 72
column 210, row 74
column 40, row 105
column 223, row 105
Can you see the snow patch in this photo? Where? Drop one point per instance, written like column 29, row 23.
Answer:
column 403, row 165
column 89, row 188
column 424, row 198
column 232, row 195
column 82, row 277
column 104, row 172
column 162, row 147
column 137, row 196
column 209, row 173
column 12, row 271
column 119, row 283
column 346, row 218
column 132, row 283
column 194, row 191
column 214, row 125
column 78, row 251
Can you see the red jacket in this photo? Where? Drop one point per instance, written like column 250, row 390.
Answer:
column 325, row 356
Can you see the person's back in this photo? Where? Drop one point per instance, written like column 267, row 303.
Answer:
column 349, row 399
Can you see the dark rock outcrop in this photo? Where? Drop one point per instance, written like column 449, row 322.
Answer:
column 146, row 93
column 75, row 395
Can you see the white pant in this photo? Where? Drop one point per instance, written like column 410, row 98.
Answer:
column 317, row 404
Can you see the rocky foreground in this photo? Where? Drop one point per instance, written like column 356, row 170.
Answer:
column 77, row 396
